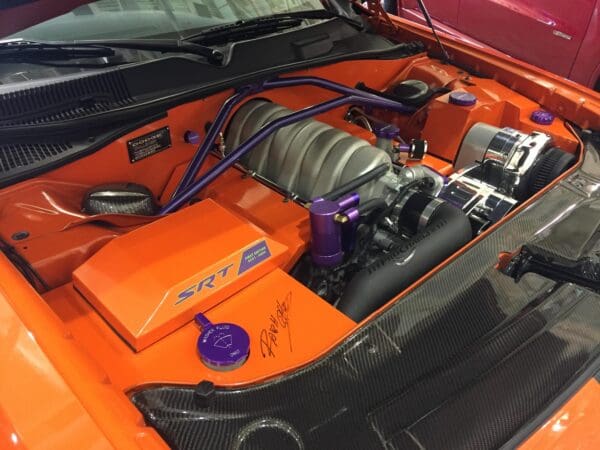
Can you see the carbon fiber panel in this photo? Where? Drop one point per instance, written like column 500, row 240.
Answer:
column 464, row 361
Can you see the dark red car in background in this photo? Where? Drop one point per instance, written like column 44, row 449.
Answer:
column 562, row 36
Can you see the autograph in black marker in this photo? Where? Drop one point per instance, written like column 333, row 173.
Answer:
column 279, row 320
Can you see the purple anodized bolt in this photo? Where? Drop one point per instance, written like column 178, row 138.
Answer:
column 542, row 117
column 192, row 137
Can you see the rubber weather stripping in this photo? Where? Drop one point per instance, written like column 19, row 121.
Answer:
column 187, row 188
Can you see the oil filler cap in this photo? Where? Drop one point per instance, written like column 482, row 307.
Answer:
column 222, row 346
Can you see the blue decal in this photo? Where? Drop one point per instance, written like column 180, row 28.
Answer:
column 253, row 256
column 184, row 295
column 206, row 283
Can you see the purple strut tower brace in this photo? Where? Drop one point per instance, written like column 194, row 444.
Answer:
column 188, row 188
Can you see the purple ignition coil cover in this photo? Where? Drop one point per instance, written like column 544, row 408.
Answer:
column 542, row 117
column 461, row 98
column 222, row 346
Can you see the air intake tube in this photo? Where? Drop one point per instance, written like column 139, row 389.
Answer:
column 447, row 230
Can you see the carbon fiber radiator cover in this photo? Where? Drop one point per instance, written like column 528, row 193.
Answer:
column 466, row 360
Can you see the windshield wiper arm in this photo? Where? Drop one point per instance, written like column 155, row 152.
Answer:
column 161, row 45
column 257, row 26
column 30, row 50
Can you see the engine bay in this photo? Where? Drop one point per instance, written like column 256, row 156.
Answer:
column 287, row 211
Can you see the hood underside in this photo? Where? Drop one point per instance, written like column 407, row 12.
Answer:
column 17, row 15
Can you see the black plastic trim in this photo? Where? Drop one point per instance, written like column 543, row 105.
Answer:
column 67, row 99
column 81, row 147
column 158, row 85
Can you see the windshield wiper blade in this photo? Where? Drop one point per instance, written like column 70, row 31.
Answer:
column 27, row 50
column 257, row 26
column 31, row 50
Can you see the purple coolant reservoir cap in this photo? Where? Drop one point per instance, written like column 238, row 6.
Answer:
column 461, row 98
column 222, row 346
column 542, row 117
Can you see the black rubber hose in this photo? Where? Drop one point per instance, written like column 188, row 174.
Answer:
column 357, row 182
column 449, row 229
column 374, row 204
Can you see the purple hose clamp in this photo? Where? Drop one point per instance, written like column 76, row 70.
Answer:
column 222, row 346
column 326, row 240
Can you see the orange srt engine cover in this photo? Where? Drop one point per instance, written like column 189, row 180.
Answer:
column 153, row 280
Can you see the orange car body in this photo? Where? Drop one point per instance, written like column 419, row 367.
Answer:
column 66, row 374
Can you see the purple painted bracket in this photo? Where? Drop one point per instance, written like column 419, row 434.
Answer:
column 187, row 188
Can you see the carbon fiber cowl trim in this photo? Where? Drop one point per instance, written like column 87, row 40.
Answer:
column 465, row 360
